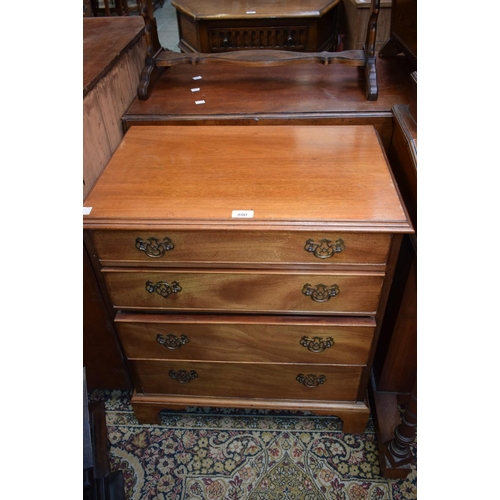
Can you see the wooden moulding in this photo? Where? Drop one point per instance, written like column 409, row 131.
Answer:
column 354, row 415
column 229, row 9
column 281, row 203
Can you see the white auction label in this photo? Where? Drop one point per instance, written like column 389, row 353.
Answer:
column 242, row 214
column 87, row 210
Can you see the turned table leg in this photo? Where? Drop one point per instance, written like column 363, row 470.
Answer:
column 397, row 450
column 150, row 71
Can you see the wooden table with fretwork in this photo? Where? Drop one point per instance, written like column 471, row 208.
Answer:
column 224, row 25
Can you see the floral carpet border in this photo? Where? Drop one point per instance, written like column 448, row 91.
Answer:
column 214, row 453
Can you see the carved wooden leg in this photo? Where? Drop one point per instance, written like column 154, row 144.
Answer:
column 150, row 71
column 397, row 451
column 149, row 74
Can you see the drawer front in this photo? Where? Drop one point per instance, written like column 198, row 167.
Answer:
column 179, row 248
column 245, row 291
column 242, row 339
column 265, row 37
column 248, row 380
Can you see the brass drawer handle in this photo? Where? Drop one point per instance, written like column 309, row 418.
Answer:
column 316, row 344
column 310, row 380
column 153, row 247
column 163, row 288
column 324, row 249
column 320, row 293
column 182, row 376
column 172, row 341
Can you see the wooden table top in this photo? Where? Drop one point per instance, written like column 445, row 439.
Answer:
column 105, row 39
column 321, row 176
column 302, row 91
column 244, row 9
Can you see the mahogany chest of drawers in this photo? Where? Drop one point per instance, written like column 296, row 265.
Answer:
column 248, row 265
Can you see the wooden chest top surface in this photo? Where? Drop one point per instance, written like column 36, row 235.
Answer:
column 289, row 176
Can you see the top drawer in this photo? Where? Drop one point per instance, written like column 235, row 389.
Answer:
column 238, row 247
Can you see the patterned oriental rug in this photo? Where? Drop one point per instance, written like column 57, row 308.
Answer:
column 226, row 454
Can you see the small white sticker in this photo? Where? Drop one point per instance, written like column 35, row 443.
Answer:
column 242, row 214
column 87, row 210
column 196, row 89
column 196, row 77
column 199, row 102
column 251, row 12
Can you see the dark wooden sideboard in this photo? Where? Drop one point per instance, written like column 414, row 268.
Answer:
column 113, row 56
column 224, row 25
